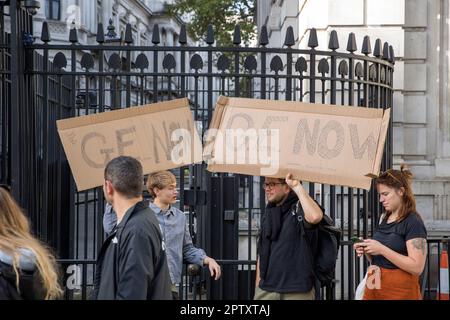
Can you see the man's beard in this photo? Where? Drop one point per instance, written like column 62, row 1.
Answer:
column 278, row 199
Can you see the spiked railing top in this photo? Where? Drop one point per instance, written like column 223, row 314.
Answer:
column 237, row 35
column 312, row 41
column 377, row 48
column 183, row 37
column 263, row 38
column 366, row 47
column 351, row 43
column 381, row 50
column 333, row 44
column 128, row 34
column 385, row 51
column 391, row 55
column 155, row 35
column 45, row 35
column 100, row 33
column 210, row 35
column 73, row 35
column 289, row 40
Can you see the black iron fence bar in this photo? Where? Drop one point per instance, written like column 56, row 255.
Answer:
column 205, row 74
column 223, row 75
column 76, row 261
column 292, row 51
column 350, row 190
column 14, row 152
column 193, row 74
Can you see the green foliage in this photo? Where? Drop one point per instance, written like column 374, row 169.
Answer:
column 222, row 14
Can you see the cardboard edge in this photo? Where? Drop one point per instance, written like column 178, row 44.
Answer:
column 337, row 181
column 384, row 126
column 296, row 106
column 216, row 119
column 76, row 122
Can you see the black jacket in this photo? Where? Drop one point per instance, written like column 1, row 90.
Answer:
column 285, row 262
column 29, row 284
column 132, row 262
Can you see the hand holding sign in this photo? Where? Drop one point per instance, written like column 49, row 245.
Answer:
column 291, row 182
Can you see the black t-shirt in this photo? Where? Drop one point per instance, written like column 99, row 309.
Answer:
column 395, row 234
column 289, row 266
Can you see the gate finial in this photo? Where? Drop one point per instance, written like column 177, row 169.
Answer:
column 385, row 51
column 366, row 47
column 289, row 41
column 183, row 37
column 100, row 33
column 128, row 34
column 45, row 35
column 312, row 41
column 73, row 34
column 333, row 44
column 377, row 48
column 391, row 55
column 351, row 43
column 263, row 38
column 237, row 35
column 155, row 35
column 210, row 35
column 111, row 30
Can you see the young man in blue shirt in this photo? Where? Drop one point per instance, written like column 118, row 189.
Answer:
column 162, row 186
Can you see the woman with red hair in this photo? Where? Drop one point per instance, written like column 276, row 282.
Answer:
column 398, row 248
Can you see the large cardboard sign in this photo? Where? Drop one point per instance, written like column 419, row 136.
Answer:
column 328, row 144
column 161, row 136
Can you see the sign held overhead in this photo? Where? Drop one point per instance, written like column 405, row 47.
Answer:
column 336, row 145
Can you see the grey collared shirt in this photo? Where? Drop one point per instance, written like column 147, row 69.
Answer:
column 175, row 232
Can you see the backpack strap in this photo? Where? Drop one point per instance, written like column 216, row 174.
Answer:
column 300, row 217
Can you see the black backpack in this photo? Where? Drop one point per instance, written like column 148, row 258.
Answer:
column 326, row 253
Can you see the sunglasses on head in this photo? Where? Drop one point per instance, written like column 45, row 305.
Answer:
column 389, row 173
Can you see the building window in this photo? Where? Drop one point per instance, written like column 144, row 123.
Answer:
column 53, row 9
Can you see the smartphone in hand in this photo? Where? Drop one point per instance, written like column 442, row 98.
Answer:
column 355, row 239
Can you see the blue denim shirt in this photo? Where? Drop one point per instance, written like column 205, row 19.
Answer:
column 175, row 232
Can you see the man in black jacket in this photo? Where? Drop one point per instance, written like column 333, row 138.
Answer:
column 284, row 268
column 132, row 262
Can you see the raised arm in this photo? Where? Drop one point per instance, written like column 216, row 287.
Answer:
column 313, row 213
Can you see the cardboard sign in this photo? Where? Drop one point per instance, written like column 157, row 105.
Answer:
column 161, row 136
column 336, row 145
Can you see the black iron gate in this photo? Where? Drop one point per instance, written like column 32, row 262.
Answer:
column 42, row 82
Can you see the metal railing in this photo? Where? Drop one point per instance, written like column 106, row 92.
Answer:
column 79, row 283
